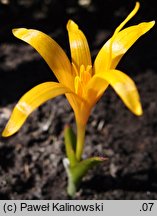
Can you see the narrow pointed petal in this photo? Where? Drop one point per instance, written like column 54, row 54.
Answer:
column 104, row 57
column 122, row 42
column 125, row 88
column 52, row 53
column 80, row 52
column 29, row 102
column 126, row 38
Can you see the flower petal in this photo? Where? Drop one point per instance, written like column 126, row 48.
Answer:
column 126, row 38
column 80, row 52
column 104, row 57
column 122, row 42
column 113, row 50
column 52, row 53
column 29, row 102
column 125, row 88
column 95, row 88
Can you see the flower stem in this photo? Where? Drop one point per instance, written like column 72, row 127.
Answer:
column 80, row 140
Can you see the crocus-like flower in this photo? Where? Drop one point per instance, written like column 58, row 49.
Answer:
column 82, row 83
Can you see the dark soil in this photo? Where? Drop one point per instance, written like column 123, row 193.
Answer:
column 31, row 160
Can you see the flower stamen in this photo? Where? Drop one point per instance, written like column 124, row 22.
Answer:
column 81, row 79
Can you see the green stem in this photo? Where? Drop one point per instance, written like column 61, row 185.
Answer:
column 71, row 187
column 80, row 140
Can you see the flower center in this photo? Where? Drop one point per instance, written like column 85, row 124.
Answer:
column 81, row 79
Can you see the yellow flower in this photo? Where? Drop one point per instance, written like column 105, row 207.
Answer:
column 81, row 82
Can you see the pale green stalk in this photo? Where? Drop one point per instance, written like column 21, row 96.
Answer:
column 80, row 140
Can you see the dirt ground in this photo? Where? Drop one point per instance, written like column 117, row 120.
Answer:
column 31, row 160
